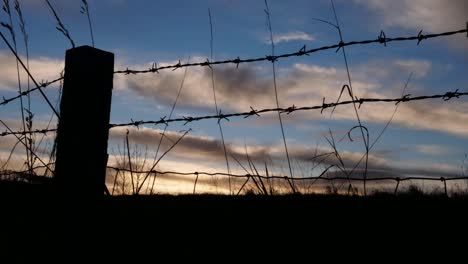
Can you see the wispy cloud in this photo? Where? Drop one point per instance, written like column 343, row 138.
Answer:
column 290, row 36
column 42, row 68
column 433, row 150
column 420, row 68
column 202, row 151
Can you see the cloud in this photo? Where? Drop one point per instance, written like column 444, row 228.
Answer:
column 433, row 150
column 420, row 68
column 42, row 68
column 204, row 151
column 430, row 15
column 290, row 36
column 197, row 93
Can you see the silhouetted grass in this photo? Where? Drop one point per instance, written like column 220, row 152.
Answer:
column 38, row 223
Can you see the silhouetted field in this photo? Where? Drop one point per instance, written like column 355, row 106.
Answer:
column 39, row 221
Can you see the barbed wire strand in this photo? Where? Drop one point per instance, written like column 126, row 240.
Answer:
column 42, row 85
column 381, row 39
column 248, row 176
column 322, row 177
column 188, row 119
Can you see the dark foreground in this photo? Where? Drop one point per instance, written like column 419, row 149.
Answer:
column 35, row 221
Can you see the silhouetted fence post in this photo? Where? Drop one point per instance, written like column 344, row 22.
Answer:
column 83, row 129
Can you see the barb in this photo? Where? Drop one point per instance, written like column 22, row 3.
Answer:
column 446, row 96
column 302, row 52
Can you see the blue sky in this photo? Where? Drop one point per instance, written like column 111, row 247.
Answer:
column 426, row 138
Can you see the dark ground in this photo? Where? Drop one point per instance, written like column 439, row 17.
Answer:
column 35, row 222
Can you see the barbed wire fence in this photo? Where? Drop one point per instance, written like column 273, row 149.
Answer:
column 13, row 176
column 257, row 179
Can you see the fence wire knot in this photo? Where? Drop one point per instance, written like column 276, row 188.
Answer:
column 405, row 98
column 340, row 45
column 137, row 123
column 421, row 37
column 289, row 110
column 237, row 61
column 271, row 58
column 324, row 105
column 162, row 120
column 303, row 51
column 221, row 116
column 177, row 66
column 360, row 101
column 154, row 68
column 383, row 38
column 252, row 113
column 449, row 95
column 206, row 63
column 188, row 119
column 127, row 71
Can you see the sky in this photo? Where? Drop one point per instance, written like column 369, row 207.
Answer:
column 427, row 138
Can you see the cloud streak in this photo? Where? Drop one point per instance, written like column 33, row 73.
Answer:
column 433, row 150
column 42, row 68
column 290, row 36
column 207, row 150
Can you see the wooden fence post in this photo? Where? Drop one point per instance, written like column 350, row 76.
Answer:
column 83, row 129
